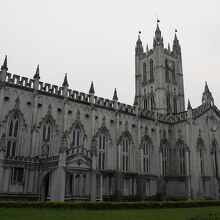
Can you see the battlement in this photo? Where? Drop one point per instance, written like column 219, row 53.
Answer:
column 73, row 95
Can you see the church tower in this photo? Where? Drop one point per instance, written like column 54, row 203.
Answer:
column 158, row 76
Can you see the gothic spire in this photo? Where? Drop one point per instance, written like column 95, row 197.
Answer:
column 5, row 64
column 91, row 90
column 139, row 47
column 176, row 44
column 158, row 39
column 115, row 96
column 37, row 74
column 65, row 81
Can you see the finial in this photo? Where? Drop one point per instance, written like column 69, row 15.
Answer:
column 147, row 48
column 5, row 64
column 189, row 105
column 37, row 74
column 206, row 88
column 65, row 81
column 115, row 96
column 91, row 90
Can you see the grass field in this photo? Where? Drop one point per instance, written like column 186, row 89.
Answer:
column 154, row 214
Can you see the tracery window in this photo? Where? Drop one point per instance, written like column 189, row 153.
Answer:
column 12, row 140
column 146, row 156
column 165, row 157
column 17, row 175
column 102, row 151
column 125, row 154
column 181, row 154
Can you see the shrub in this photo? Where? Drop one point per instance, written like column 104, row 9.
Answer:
column 108, row 205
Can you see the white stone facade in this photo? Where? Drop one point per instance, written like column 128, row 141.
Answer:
column 62, row 145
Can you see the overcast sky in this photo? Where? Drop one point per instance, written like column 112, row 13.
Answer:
column 94, row 40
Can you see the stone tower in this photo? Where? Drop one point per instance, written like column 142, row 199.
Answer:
column 158, row 76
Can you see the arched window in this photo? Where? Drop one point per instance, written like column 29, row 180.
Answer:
column 125, row 154
column 76, row 136
column 181, row 155
column 47, row 129
column 78, row 185
column 145, row 103
column 174, row 105
column 152, row 103
column 46, row 139
column 144, row 72
column 102, row 151
column 165, row 157
column 151, row 69
column 215, row 153
column 84, row 184
column 201, row 151
column 12, row 140
column 146, row 156
column 168, row 104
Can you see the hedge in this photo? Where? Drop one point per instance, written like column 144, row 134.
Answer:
column 108, row 205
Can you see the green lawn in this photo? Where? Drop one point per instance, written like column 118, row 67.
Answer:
column 152, row 214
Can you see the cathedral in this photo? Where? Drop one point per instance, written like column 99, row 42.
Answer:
column 59, row 144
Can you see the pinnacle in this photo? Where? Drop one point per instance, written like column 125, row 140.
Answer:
column 5, row 64
column 91, row 90
column 37, row 74
column 65, row 82
column 189, row 105
column 115, row 96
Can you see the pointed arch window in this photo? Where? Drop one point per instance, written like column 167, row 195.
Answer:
column 46, row 138
column 47, row 129
column 144, row 72
column 77, row 184
column 76, row 136
column 168, row 104
column 164, row 157
column 152, row 103
column 181, row 155
column 145, row 103
column 12, row 140
column 146, row 156
column 151, row 70
column 102, row 151
column 215, row 154
column 175, row 105
column 125, row 154
column 201, row 152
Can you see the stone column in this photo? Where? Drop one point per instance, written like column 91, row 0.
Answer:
column 59, row 175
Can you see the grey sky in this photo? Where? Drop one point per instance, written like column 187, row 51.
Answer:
column 95, row 40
